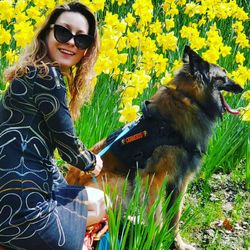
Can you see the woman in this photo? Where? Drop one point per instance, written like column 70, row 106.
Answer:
column 38, row 209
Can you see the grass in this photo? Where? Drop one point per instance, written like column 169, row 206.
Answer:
column 227, row 198
column 100, row 117
column 135, row 227
column 248, row 160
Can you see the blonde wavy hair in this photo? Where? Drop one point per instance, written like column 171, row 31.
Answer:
column 79, row 78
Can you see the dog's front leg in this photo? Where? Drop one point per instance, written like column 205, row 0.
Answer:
column 175, row 192
column 181, row 245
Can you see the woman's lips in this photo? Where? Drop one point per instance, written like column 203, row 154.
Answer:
column 67, row 52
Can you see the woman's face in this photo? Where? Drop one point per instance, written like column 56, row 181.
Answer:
column 67, row 54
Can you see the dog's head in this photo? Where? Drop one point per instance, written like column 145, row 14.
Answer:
column 203, row 82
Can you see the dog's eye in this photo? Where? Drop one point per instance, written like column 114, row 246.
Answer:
column 220, row 80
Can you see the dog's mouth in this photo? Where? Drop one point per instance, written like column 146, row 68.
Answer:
column 227, row 107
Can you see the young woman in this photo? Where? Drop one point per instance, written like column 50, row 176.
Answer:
column 38, row 209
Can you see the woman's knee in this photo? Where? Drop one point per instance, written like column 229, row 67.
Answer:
column 94, row 194
column 97, row 203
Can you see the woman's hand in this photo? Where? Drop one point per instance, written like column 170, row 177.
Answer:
column 98, row 166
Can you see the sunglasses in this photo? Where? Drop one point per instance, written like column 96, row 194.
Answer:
column 63, row 35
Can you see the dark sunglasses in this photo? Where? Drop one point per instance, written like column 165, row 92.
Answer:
column 63, row 35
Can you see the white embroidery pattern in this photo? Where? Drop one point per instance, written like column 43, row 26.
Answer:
column 29, row 133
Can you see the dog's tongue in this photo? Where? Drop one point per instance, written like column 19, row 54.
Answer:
column 228, row 108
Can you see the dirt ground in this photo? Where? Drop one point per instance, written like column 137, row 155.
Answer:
column 222, row 219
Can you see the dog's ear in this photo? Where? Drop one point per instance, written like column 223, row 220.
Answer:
column 197, row 66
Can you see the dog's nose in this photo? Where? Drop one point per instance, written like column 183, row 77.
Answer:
column 231, row 86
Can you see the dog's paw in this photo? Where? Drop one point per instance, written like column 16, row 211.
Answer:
column 181, row 245
column 185, row 246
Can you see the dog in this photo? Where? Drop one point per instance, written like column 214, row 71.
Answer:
column 171, row 136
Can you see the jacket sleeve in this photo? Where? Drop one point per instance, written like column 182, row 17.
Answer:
column 51, row 100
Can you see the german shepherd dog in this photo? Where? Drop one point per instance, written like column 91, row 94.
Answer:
column 170, row 137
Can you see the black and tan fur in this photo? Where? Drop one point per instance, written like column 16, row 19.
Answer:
column 192, row 104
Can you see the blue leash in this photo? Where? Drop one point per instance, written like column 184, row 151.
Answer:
column 125, row 130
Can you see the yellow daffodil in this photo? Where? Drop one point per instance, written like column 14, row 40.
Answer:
column 122, row 58
column 140, row 79
column 166, row 79
column 225, row 50
column 121, row 43
column 246, row 95
column 160, row 65
column 212, row 55
column 167, row 41
column 143, row 9
column 182, row 2
column 129, row 94
column 5, row 36
column 190, row 9
column 238, row 26
column 197, row 42
column 241, row 75
column 240, row 58
column 138, row 47
column 133, row 39
column 96, row 5
column 240, row 14
column 111, row 19
column 33, row 12
column 24, row 33
column 170, row 7
column 20, row 6
column 148, row 45
column 242, row 40
column 173, row 10
column 177, row 65
column 120, row 2
column 11, row 56
column 246, row 113
column 7, row 10
column 156, row 27
column 169, row 24
column 202, row 21
column 129, row 113
column 103, row 65
column 21, row 17
column 130, row 19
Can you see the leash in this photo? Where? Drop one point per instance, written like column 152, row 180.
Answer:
column 125, row 130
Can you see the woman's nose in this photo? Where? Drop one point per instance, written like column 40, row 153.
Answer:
column 71, row 41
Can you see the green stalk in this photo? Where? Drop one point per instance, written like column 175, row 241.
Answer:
column 142, row 231
column 248, row 160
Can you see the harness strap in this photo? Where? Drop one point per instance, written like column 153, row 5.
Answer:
column 134, row 137
column 125, row 130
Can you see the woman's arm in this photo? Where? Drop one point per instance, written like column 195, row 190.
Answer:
column 51, row 100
